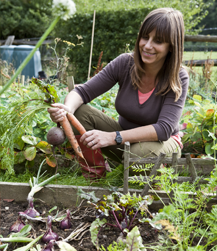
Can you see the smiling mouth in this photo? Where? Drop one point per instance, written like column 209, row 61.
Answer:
column 148, row 54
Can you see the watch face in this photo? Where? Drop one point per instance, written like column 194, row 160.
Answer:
column 118, row 138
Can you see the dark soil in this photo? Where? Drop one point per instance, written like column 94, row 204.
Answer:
column 80, row 216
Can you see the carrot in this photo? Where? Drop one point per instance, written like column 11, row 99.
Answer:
column 73, row 120
column 71, row 136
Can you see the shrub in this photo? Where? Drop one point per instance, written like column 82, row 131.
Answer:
column 113, row 31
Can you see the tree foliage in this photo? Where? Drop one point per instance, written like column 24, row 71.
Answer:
column 194, row 11
column 210, row 21
column 24, row 18
column 116, row 27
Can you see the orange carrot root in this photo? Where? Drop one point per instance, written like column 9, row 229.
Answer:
column 73, row 120
column 71, row 137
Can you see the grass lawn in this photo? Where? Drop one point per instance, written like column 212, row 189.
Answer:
column 199, row 55
column 196, row 55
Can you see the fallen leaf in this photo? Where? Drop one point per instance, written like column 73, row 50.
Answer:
column 8, row 200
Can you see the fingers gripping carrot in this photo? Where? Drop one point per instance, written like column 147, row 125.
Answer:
column 73, row 120
column 71, row 136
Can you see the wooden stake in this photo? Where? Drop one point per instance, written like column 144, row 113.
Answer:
column 126, row 166
column 91, row 48
column 70, row 83
column 22, row 79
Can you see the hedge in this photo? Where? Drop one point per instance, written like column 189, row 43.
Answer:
column 115, row 33
column 117, row 25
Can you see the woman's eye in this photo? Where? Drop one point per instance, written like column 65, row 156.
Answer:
column 145, row 37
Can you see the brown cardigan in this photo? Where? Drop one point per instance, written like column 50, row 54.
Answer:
column 160, row 111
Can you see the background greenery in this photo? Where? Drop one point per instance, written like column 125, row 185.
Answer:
column 24, row 18
column 116, row 27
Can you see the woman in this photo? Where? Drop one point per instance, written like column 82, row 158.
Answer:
column 152, row 92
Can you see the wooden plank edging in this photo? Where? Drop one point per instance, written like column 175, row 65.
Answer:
column 67, row 195
column 168, row 160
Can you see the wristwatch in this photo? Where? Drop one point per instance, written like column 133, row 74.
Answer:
column 118, row 138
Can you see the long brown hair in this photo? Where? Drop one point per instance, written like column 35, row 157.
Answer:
column 169, row 26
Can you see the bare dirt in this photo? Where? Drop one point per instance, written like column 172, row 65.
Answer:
column 81, row 216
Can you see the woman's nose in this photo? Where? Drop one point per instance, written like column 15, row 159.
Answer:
column 148, row 44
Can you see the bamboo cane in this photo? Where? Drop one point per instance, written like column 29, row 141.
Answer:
column 91, row 48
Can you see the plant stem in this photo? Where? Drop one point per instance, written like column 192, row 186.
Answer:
column 133, row 219
column 202, row 236
column 3, row 246
column 45, row 182
column 117, row 221
column 21, row 67
column 210, row 242
column 16, row 239
column 111, row 225
column 27, row 247
column 41, row 185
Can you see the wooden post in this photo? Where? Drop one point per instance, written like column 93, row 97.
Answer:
column 201, row 38
column 126, row 166
column 191, row 166
column 175, row 162
column 9, row 40
column 70, row 83
column 91, row 48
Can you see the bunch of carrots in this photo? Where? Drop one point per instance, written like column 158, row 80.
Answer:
column 70, row 118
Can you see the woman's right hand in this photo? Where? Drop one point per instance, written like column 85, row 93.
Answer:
column 58, row 111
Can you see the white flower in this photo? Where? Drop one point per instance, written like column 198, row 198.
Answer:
column 64, row 8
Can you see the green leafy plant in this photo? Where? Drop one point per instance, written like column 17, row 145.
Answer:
column 115, row 246
column 20, row 107
column 117, row 210
column 181, row 223
column 200, row 118
column 132, row 242
column 201, row 84
column 106, row 102
column 94, row 230
column 211, row 221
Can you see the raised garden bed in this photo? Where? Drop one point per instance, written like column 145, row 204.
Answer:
column 13, row 200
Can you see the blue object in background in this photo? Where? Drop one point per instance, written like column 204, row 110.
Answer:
column 6, row 53
column 34, row 64
column 17, row 54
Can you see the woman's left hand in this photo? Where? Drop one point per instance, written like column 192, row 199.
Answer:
column 95, row 139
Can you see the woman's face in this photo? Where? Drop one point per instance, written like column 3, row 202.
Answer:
column 152, row 50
